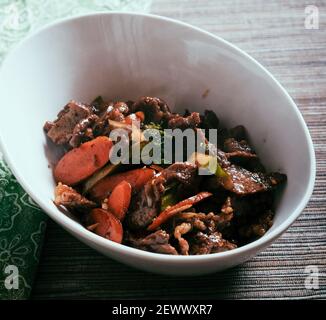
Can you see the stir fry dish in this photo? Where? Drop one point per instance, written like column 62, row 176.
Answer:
column 171, row 198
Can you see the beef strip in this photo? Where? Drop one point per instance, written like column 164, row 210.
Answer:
column 114, row 111
column 209, row 120
column 78, row 123
column 179, row 231
column 83, row 131
column 209, row 222
column 240, row 153
column 157, row 241
column 146, row 205
column 177, row 121
column 155, row 109
column 234, row 148
column 61, row 130
column 251, row 205
column 224, row 219
column 204, row 226
column 210, row 243
column 243, row 182
column 218, row 153
column 71, row 199
column 238, row 133
column 94, row 125
column 257, row 227
column 117, row 111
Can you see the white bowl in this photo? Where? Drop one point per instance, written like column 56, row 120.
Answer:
column 125, row 56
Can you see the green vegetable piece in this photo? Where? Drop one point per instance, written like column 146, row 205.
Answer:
column 169, row 199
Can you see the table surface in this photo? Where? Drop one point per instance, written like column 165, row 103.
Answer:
column 273, row 33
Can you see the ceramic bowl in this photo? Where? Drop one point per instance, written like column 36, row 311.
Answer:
column 125, row 56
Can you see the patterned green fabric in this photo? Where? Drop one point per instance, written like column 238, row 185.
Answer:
column 22, row 226
column 22, row 223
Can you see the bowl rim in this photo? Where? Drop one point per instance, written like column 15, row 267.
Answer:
column 90, row 237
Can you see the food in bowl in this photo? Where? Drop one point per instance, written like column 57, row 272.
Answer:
column 178, row 200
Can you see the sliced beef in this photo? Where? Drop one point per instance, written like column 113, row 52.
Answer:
column 99, row 106
column 220, row 155
column 209, row 120
column 235, row 148
column 243, row 182
column 78, row 123
column 257, row 227
column 146, row 205
column 155, row 242
column 71, row 199
column 180, row 122
column 224, row 219
column 61, row 130
column 204, row 229
column 245, row 207
column 113, row 111
column 155, row 109
column 117, row 111
column 210, row 243
column 209, row 222
column 83, row 131
column 240, row 153
column 179, row 231
column 184, row 172
column 238, row 133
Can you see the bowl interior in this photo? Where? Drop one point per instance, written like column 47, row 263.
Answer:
column 123, row 56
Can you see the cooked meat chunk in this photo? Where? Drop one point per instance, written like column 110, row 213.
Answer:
column 83, row 131
column 209, row 120
column 258, row 227
column 155, row 109
column 210, row 243
column 251, row 205
column 113, row 111
column 209, row 222
column 71, row 199
column 191, row 121
column 117, row 111
column 183, row 172
column 238, row 133
column 146, row 205
column 224, row 219
column 242, row 181
column 220, row 155
column 155, row 242
column 99, row 106
column 179, row 231
column 61, row 130
column 238, row 149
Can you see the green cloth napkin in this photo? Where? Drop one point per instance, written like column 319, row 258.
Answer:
column 22, row 226
column 22, row 223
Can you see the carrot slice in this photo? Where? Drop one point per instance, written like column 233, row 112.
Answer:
column 80, row 163
column 106, row 225
column 136, row 178
column 173, row 210
column 119, row 200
